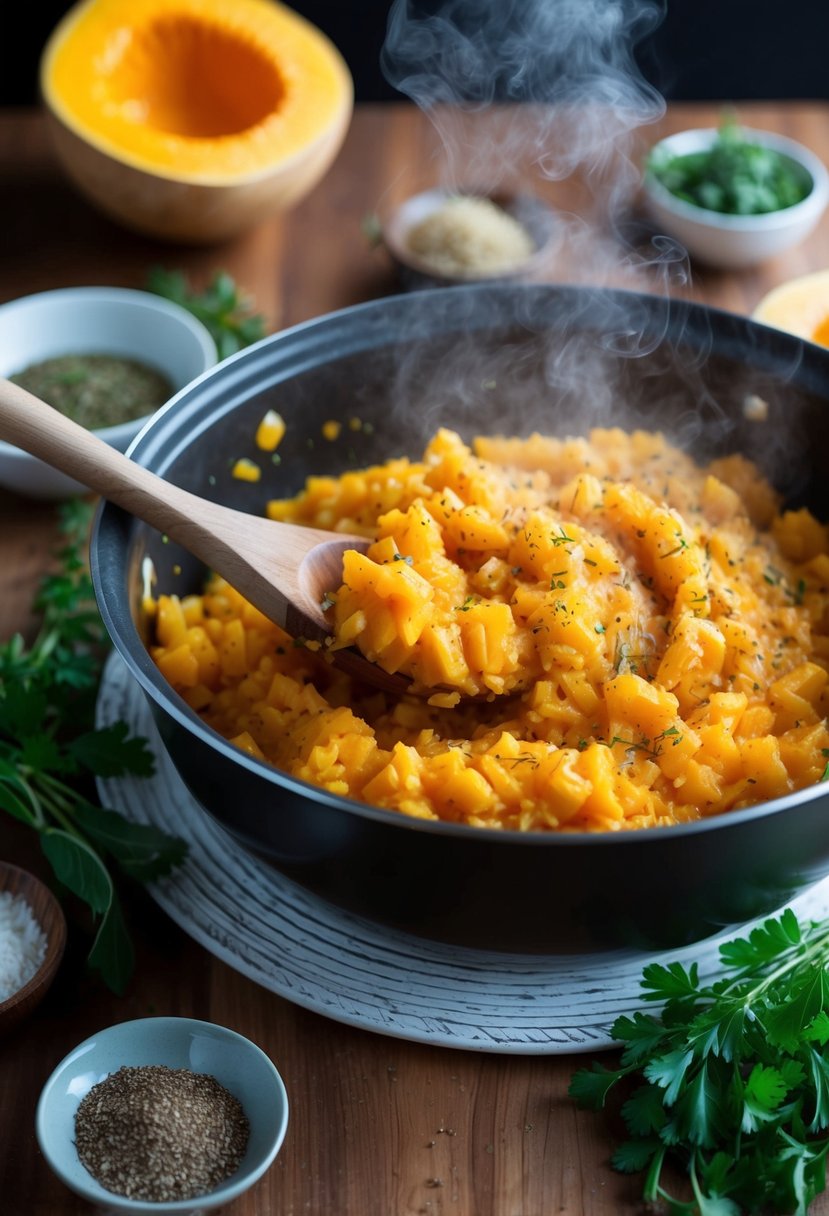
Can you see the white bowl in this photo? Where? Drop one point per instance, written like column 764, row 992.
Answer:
column 734, row 242
column 95, row 320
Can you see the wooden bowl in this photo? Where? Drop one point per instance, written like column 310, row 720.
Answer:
column 49, row 915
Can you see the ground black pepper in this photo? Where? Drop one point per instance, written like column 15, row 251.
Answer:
column 160, row 1134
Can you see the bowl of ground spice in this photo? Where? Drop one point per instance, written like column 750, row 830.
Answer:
column 32, row 941
column 107, row 357
column 162, row 1115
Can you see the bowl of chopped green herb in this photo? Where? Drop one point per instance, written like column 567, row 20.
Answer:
column 108, row 357
column 734, row 196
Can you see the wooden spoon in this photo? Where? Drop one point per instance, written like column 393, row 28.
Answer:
column 285, row 570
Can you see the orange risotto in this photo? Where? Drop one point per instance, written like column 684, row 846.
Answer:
column 646, row 641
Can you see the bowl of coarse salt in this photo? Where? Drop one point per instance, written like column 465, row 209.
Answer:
column 32, row 941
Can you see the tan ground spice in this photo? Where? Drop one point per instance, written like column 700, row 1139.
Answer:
column 160, row 1134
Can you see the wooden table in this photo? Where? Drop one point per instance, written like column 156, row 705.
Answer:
column 379, row 1127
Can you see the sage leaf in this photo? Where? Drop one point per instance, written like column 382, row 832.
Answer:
column 78, row 867
column 112, row 953
column 142, row 851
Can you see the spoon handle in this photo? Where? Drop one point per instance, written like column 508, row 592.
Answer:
column 264, row 559
column 31, row 424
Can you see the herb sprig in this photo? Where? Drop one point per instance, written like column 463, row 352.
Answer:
column 731, row 1080
column 50, row 752
column 221, row 308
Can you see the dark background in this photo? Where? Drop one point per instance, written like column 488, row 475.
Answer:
column 702, row 49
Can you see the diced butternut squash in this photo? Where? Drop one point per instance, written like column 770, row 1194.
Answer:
column 646, row 640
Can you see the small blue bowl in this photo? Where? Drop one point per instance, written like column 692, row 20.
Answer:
column 236, row 1063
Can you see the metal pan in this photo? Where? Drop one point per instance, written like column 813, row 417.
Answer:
column 481, row 359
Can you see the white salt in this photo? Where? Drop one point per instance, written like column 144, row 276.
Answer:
column 22, row 944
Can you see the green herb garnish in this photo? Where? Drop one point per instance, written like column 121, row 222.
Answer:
column 735, row 176
column 372, row 229
column 221, row 308
column 731, row 1080
column 50, row 752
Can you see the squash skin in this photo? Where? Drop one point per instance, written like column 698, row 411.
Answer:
column 187, row 212
column 229, row 190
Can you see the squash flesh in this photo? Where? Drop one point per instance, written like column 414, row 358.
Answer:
column 634, row 705
column 181, row 77
column 800, row 306
column 203, row 93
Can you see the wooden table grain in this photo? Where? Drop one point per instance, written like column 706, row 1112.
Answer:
column 379, row 1127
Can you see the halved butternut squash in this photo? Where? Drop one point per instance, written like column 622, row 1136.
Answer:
column 192, row 120
column 799, row 306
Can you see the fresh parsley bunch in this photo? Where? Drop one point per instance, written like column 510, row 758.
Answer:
column 731, row 1081
column 50, row 752
column 221, row 308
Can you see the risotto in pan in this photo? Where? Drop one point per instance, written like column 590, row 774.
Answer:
column 601, row 635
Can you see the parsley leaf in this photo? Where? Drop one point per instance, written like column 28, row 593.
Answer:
column 141, row 850
column 109, row 752
column 643, row 1112
column 731, row 1081
column 735, row 175
column 221, row 308
column 50, row 749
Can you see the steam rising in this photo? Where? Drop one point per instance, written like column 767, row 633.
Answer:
column 574, row 55
column 529, row 92
column 526, row 90
column 545, row 96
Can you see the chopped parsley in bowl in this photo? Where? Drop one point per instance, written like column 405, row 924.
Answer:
column 735, row 174
column 733, row 196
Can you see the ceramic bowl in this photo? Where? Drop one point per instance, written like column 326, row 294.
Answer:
column 415, row 273
column 95, row 320
column 49, row 915
column 203, row 1047
column 734, row 242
